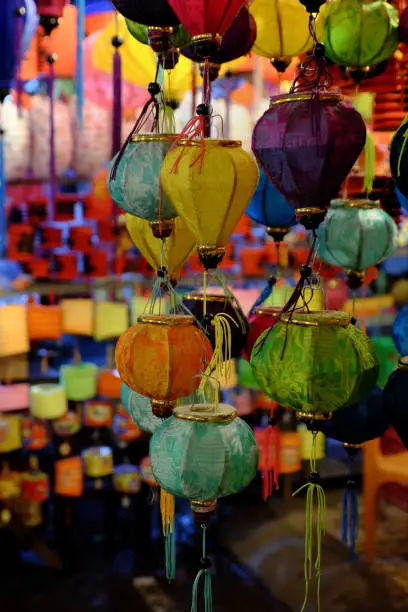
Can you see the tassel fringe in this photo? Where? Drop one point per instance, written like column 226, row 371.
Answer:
column 167, row 514
column 205, row 574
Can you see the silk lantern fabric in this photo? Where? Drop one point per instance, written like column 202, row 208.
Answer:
column 178, row 247
column 212, row 196
column 210, row 456
column 357, row 34
column 201, row 17
column 315, row 362
column 139, row 409
column 399, row 158
column 268, row 206
column 400, row 331
column 307, row 145
column 136, row 186
column 356, row 234
column 395, row 400
column 282, row 28
column 153, row 13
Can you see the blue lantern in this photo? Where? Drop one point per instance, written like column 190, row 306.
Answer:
column 268, row 207
column 400, row 331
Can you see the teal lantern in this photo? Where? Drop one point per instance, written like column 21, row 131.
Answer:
column 355, row 235
column 134, row 180
column 139, row 409
column 315, row 363
column 203, row 452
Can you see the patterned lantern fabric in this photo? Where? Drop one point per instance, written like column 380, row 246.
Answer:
column 153, row 13
column 16, row 141
column 160, row 356
column 139, row 409
column 395, row 400
column 134, row 183
column 356, row 234
column 307, row 145
column 268, row 206
column 400, row 331
column 315, row 362
column 360, row 34
column 205, row 17
column 204, row 452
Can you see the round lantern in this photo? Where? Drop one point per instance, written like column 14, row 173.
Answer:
column 48, row 401
column 219, row 305
column 355, row 235
column 210, row 185
column 395, row 399
column 79, row 381
column 127, row 479
column 399, row 158
column 161, row 356
column 181, row 461
column 400, row 331
column 282, row 30
column 268, row 207
column 134, row 178
column 360, row 422
column 67, row 425
column 10, row 433
column 153, row 13
column 98, row 461
column 307, row 145
column 175, row 251
column 34, row 433
column 34, row 483
column 360, row 35
column 139, row 409
column 262, row 319
column 315, row 363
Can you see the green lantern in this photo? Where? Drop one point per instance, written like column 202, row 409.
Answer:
column 178, row 36
column 358, row 34
column 139, row 409
column 134, row 179
column 204, row 452
column 315, row 363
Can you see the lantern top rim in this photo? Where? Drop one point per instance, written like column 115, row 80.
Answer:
column 361, row 204
column 327, row 96
column 269, row 311
column 169, row 320
column 153, row 137
column 198, row 297
column 332, row 318
column 223, row 142
column 206, row 413
column 402, row 363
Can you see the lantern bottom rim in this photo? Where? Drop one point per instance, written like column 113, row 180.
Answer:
column 314, row 416
column 162, row 408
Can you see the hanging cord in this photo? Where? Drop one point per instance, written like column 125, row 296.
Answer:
column 53, row 179
column 117, row 42
column 266, row 292
column 313, row 74
column 349, row 524
column 315, row 520
column 167, row 509
column 205, row 564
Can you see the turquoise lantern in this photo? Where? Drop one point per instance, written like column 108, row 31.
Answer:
column 134, row 181
column 355, row 235
column 400, row 331
column 139, row 409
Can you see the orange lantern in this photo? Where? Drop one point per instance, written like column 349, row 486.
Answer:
column 97, row 414
column 34, row 433
column 44, row 322
column 109, row 384
column 160, row 356
column 34, row 483
column 69, row 477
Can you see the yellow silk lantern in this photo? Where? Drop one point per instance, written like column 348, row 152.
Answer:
column 139, row 61
column 10, row 433
column 13, row 330
column 98, row 461
column 48, row 401
column 111, row 320
column 282, row 29
column 210, row 183
column 177, row 247
column 77, row 316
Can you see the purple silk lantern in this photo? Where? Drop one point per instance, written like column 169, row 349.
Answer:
column 238, row 40
column 307, row 143
column 156, row 13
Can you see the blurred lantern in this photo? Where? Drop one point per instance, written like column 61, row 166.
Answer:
column 237, row 41
column 399, row 292
column 134, row 181
column 315, row 363
column 16, row 141
column 403, row 26
column 34, row 433
column 34, row 483
column 98, row 461
column 67, row 425
column 10, row 486
column 356, row 234
column 69, row 477
column 50, row 12
column 48, row 401
column 307, row 144
column 400, row 331
column 395, row 399
column 306, row 442
column 259, row 321
column 399, row 158
column 126, row 480
column 109, row 383
column 10, row 433
column 207, row 308
column 176, row 250
column 79, row 381
column 124, row 428
column 209, row 201
column 282, row 31
column 160, row 356
column 146, row 472
column 177, row 36
column 359, row 35
column 154, row 13
column 268, row 207
column 97, row 414
column 139, row 409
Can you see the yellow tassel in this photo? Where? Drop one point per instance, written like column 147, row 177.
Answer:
column 220, row 362
column 167, row 511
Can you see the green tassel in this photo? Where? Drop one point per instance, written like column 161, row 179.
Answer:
column 369, row 162
column 170, row 553
column 315, row 520
column 203, row 573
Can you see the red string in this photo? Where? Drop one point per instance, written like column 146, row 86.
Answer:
column 270, row 460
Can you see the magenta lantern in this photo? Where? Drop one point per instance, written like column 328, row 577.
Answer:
column 307, row 143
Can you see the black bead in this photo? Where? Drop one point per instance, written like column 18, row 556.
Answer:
column 319, row 50
column 153, row 88
column 314, row 477
column 305, row 271
column 117, row 41
column 52, row 58
column 203, row 109
column 161, row 272
column 353, row 321
column 205, row 563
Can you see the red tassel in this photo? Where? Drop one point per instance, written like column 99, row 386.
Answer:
column 270, row 460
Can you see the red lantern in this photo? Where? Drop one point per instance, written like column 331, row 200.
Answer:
column 262, row 319
column 307, row 143
column 51, row 237
column 206, row 19
column 151, row 13
column 20, row 242
column 96, row 264
column 80, row 238
column 66, row 267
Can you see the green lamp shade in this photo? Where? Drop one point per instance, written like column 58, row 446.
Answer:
column 358, row 33
column 179, row 37
column 356, row 235
column 134, row 182
column 246, row 377
column 139, row 409
column 387, row 356
column 203, row 452
column 315, row 362
column 79, row 381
